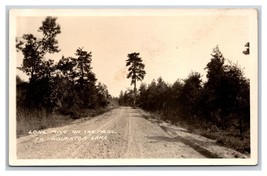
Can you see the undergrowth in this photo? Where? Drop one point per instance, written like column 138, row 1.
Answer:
column 39, row 119
column 229, row 137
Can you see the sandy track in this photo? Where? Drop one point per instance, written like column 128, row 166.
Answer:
column 120, row 133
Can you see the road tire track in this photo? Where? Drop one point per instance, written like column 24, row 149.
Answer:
column 134, row 137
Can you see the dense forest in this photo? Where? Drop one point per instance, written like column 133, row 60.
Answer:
column 68, row 87
column 221, row 103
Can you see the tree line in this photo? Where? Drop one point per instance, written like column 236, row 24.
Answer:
column 66, row 85
column 70, row 85
column 223, row 99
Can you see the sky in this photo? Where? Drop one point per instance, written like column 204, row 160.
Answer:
column 171, row 45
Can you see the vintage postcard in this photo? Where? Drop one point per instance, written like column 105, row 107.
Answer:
column 133, row 87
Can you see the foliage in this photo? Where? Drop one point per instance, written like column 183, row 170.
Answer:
column 78, row 83
column 247, row 50
column 222, row 100
column 136, row 70
column 190, row 95
column 34, row 49
column 225, row 88
column 69, row 85
column 126, row 98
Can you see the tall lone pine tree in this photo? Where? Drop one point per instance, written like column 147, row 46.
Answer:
column 136, row 70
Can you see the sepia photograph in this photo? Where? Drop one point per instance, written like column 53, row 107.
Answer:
column 133, row 87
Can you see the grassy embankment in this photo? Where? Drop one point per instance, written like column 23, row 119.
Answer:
column 229, row 137
column 39, row 120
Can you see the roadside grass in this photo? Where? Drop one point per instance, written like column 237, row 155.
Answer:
column 77, row 113
column 231, row 140
column 39, row 120
column 230, row 137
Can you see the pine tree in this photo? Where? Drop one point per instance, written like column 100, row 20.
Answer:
column 136, row 71
column 34, row 49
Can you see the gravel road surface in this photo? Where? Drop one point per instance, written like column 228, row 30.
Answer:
column 121, row 133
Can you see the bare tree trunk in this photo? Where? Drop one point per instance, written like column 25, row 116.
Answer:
column 134, row 94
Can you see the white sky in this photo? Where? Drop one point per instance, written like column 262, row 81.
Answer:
column 171, row 46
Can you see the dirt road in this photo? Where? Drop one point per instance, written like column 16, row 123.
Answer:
column 121, row 133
